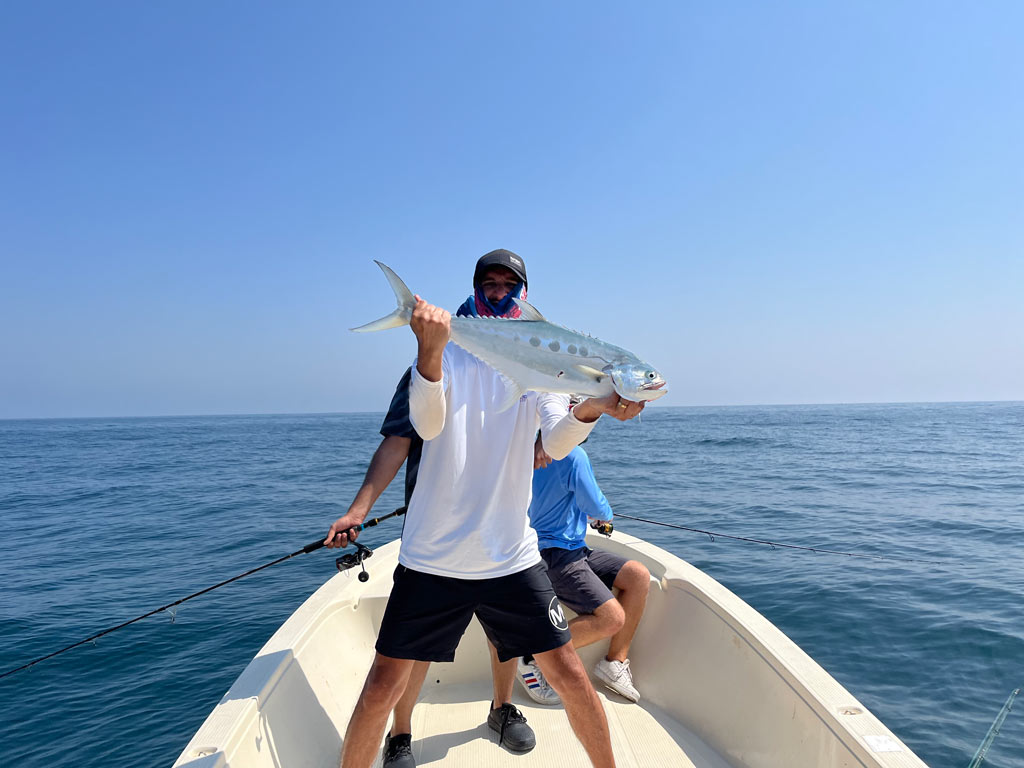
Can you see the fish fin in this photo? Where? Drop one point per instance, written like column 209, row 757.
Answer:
column 529, row 312
column 406, row 304
column 512, row 394
column 396, row 319
column 586, row 370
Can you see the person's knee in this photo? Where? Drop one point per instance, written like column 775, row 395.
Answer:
column 385, row 683
column 634, row 577
column 562, row 668
column 611, row 617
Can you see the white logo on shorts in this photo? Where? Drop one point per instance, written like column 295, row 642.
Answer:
column 555, row 614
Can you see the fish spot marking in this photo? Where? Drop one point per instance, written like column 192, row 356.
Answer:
column 535, row 341
column 583, row 351
column 554, row 346
column 572, row 349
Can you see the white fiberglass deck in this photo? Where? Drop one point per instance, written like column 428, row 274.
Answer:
column 450, row 728
column 721, row 686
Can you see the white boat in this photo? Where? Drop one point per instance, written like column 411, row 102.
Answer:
column 722, row 688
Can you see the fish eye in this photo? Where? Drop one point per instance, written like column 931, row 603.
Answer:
column 650, row 374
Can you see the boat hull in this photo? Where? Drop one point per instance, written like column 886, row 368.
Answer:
column 722, row 687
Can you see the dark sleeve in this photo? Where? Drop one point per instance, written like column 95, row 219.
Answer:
column 397, row 423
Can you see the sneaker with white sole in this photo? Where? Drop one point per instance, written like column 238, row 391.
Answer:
column 536, row 686
column 616, row 676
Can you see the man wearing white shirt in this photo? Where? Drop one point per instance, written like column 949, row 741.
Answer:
column 467, row 547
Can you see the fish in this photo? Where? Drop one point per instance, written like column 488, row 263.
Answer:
column 534, row 354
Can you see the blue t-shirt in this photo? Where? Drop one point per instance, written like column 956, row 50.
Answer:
column 565, row 494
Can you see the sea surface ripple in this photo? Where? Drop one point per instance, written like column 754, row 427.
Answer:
column 106, row 519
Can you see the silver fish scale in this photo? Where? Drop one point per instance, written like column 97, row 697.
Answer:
column 540, row 355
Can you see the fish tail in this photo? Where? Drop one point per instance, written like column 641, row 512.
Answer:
column 406, row 303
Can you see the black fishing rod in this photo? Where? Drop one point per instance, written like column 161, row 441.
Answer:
column 773, row 544
column 343, row 563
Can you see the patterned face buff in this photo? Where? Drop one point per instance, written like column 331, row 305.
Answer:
column 477, row 305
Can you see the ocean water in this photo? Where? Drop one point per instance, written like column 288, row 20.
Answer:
column 102, row 520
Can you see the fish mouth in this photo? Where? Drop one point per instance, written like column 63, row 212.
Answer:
column 654, row 390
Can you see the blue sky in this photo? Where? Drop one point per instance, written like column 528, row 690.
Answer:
column 773, row 203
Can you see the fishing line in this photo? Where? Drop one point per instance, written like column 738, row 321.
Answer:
column 311, row 547
column 775, row 544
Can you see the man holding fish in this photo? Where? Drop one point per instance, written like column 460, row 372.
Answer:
column 499, row 278
column 467, row 546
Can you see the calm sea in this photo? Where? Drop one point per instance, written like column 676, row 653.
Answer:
column 105, row 519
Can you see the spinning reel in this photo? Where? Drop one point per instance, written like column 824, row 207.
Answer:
column 352, row 559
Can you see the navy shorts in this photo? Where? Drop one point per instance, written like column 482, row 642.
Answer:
column 582, row 578
column 427, row 615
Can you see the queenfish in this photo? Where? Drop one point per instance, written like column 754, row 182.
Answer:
column 534, row 354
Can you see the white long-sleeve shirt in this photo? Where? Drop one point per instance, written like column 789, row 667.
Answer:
column 468, row 515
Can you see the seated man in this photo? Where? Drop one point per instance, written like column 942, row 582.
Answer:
column 565, row 494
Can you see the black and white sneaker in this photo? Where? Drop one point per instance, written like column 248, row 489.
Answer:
column 398, row 751
column 513, row 732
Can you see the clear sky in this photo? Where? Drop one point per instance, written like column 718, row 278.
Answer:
column 771, row 202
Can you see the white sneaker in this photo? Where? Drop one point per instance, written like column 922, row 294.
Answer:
column 616, row 676
column 536, row 686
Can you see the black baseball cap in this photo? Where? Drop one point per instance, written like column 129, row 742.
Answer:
column 500, row 258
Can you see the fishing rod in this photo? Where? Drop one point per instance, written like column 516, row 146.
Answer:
column 993, row 731
column 343, row 563
column 773, row 544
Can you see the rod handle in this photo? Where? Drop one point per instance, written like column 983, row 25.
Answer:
column 315, row 545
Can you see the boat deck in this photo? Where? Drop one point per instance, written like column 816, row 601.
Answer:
column 748, row 696
column 450, row 729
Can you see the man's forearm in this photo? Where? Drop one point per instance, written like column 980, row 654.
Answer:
column 568, row 432
column 429, row 363
column 591, row 409
column 427, row 405
column 387, row 460
column 588, row 411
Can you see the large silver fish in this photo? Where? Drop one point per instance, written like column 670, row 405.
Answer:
column 533, row 353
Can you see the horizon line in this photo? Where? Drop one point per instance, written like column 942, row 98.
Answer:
column 353, row 413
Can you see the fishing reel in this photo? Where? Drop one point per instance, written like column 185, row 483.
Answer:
column 352, row 559
column 603, row 527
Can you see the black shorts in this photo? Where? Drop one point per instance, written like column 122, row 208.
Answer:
column 427, row 615
column 582, row 578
